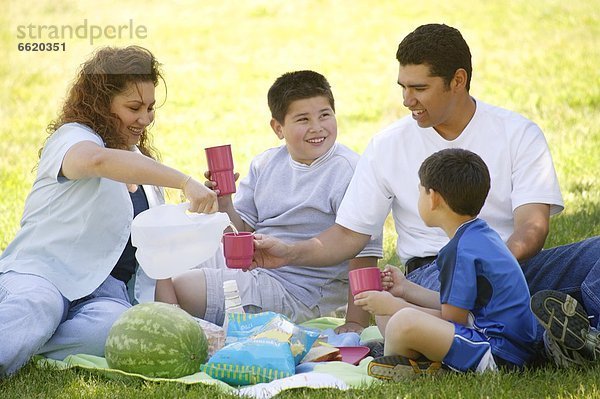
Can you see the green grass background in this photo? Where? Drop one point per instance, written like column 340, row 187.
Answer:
column 540, row 58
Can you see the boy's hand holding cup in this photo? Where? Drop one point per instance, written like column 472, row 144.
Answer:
column 220, row 167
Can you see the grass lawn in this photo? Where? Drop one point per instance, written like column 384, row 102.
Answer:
column 538, row 58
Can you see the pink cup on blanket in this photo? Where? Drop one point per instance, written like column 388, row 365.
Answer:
column 238, row 249
column 220, row 166
column 365, row 279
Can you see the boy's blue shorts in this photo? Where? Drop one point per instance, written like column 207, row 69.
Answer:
column 470, row 351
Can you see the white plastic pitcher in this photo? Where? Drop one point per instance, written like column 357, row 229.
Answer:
column 170, row 241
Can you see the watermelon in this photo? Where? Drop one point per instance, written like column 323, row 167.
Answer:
column 156, row 340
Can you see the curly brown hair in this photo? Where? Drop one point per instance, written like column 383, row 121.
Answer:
column 106, row 74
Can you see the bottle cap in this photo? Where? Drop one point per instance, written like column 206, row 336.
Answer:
column 230, row 286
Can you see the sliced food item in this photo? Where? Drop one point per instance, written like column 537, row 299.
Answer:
column 322, row 353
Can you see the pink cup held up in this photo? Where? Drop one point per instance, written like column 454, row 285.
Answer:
column 365, row 279
column 238, row 249
column 220, row 166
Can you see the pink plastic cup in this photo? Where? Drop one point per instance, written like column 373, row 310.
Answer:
column 238, row 249
column 365, row 279
column 220, row 166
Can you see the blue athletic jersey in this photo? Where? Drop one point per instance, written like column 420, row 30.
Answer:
column 479, row 273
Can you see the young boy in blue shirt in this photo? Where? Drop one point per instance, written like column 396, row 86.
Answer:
column 480, row 319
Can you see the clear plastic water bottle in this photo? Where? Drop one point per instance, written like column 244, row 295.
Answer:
column 233, row 302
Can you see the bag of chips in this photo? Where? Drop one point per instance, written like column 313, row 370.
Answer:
column 259, row 348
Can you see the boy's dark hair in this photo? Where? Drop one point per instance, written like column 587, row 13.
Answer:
column 439, row 46
column 298, row 85
column 460, row 176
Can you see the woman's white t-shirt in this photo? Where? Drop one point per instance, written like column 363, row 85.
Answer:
column 72, row 231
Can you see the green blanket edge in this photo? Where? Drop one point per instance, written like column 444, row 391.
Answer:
column 353, row 376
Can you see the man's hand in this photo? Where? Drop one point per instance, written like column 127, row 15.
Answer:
column 270, row 252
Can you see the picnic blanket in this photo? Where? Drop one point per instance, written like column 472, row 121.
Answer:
column 338, row 375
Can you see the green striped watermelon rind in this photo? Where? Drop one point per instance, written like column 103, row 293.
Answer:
column 156, row 340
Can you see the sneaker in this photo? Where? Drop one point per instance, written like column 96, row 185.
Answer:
column 562, row 356
column 568, row 329
column 398, row 368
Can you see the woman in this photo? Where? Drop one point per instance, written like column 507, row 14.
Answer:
column 63, row 278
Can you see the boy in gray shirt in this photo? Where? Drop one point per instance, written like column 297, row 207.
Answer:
column 291, row 192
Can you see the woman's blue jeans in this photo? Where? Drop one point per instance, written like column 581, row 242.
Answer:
column 36, row 319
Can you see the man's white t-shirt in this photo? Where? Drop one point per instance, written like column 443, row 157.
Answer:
column 386, row 177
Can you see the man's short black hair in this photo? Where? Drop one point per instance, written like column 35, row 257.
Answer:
column 439, row 46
